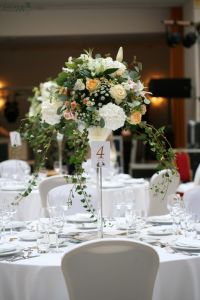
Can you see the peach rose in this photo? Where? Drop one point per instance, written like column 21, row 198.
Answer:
column 135, row 118
column 92, row 84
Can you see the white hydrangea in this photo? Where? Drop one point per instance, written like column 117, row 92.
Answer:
column 46, row 89
column 49, row 112
column 113, row 116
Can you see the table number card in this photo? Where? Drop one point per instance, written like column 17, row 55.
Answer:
column 15, row 139
column 100, row 154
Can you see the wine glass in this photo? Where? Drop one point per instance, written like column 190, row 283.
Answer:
column 57, row 222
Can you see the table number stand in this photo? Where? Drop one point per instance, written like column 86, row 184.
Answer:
column 100, row 155
column 59, row 141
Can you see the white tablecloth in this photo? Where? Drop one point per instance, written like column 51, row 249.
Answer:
column 29, row 207
column 41, row 278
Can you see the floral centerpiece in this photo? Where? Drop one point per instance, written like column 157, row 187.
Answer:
column 95, row 94
column 102, row 91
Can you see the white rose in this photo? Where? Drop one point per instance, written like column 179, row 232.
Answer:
column 49, row 112
column 79, row 85
column 118, row 93
column 113, row 115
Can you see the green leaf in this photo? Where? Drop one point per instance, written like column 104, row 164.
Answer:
column 110, row 71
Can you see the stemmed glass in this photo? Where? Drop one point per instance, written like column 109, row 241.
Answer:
column 175, row 207
column 57, row 221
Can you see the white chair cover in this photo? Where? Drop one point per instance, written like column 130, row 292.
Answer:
column 191, row 200
column 197, row 176
column 158, row 200
column 14, row 169
column 110, row 269
column 60, row 194
column 48, row 184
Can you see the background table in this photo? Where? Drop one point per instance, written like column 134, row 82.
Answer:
column 30, row 206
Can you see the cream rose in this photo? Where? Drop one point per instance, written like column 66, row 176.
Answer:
column 118, row 93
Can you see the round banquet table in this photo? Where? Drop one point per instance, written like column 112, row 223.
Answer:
column 41, row 278
column 29, row 207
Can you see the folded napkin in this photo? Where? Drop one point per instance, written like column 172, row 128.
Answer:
column 7, row 248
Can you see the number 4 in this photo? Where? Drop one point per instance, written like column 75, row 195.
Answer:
column 100, row 152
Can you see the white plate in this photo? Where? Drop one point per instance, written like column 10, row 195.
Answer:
column 134, row 181
column 6, row 247
column 160, row 230
column 16, row 251
column 165, row 219
column 15, row 225
column 186, row 244
column 112, row 185
column 80, row 218
column 87, row 226
column 13, row 188
column 29, row 236
column 149, row 239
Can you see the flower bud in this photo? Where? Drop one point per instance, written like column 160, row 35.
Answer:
column 119, row 56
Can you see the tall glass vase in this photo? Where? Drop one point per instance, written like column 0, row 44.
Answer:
column 99, row 134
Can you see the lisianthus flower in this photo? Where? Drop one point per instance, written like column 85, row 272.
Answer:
column 69, row 115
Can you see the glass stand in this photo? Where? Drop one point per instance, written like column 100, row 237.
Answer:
column 100, row 220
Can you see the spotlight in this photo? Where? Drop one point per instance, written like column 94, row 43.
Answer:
column 198, row 28
column 173, row 38
column 189, row 39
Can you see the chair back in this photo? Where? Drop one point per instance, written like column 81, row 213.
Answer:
column 167, row 186
column 48, row 184
column 110, row 269
column 14, row 169
column 60, row 196
column 197, row 176
column 191, row 200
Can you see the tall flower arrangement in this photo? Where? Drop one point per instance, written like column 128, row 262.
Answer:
column 97, row 92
